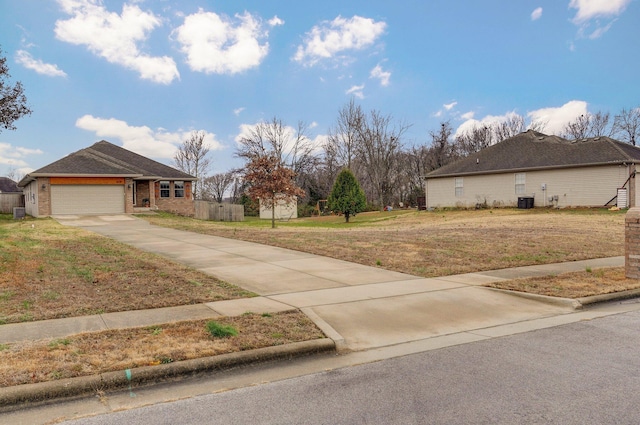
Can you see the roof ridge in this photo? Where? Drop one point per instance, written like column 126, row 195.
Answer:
column 116, row 161
column 615, row 144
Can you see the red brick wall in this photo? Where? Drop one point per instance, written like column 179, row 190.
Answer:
column 44, row 197
column 632, row 243
column 182, row 206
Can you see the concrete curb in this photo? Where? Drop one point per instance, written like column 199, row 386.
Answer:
column 577, row 303
column 614, row 296
column 562, row 302
column 28, row 395
column 327, row 329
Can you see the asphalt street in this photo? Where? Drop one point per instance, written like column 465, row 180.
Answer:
column 581, row 373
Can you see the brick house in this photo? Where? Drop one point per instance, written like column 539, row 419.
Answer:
column 106, row 179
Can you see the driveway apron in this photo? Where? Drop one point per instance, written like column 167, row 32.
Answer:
column 368, row 306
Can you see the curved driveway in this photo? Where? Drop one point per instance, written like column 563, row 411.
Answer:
column 360, row 307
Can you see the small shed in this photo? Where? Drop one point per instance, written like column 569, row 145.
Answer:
column 285, row 209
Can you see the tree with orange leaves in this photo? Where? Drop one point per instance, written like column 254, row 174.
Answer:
column 271, row 182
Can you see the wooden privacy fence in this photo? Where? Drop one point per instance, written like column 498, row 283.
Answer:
column 219, row 212
column 10, row 200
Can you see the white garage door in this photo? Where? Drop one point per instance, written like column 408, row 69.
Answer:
column 87, row 199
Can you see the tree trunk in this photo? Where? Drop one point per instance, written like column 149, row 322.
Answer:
column 273, row 213
column 346, row 217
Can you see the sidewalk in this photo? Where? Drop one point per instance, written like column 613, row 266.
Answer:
column 344, row 306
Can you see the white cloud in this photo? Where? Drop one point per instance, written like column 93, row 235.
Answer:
column 275, row 21
column 142, row 139
column 15, row 156
column 536, row 14
column 25, row 59
column 589, row 9
column 215, row 44
column 449, row 106
column 556, row 118
column 592, row 11
column 383, row 76
column 328, row 39
column 489, row 120
column 237, row 111
column 356, row 91
column 599, row 31
column 115, row 37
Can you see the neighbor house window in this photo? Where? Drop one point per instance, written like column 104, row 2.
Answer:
column 165, row 190
column 178, row 189
column 520, row 182
column 459, row 187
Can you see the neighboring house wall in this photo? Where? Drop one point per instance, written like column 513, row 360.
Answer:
column 31, row 198
column 283, row 211
column 585, row 186
column 183, row 205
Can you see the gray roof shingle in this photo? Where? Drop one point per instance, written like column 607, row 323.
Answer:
column 9, row 186
column 104, row 158
column 532, row 150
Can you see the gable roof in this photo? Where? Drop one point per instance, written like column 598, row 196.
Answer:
column 532, row 150
column 9, row 186
column 106, row 159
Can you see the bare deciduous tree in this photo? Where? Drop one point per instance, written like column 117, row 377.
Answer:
column 512, row 126
column 191, row 158
column 292, row 147
column 587, row 125
column 215, row 187
column 344, row 137
column 626, row 125
column 379, row 143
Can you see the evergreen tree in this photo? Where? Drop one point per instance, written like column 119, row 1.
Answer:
column 347, row 196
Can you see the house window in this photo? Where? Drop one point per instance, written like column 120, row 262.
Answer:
column 178, row 189
column 165, row 190
column 459, row 187
column 520, row 183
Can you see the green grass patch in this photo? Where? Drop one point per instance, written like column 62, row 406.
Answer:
column 218, row 330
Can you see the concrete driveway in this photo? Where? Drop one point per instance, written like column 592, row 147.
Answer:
column 360, row 307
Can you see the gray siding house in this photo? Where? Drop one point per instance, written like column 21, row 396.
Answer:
column 547, row 170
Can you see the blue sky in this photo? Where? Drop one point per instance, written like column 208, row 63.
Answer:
column 143, row 74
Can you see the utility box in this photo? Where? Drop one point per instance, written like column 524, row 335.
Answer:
column 19, row 213
column 525, row 202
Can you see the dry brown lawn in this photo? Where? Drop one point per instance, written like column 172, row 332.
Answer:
column 98, row 352
column 574, row 285
column 51, row 271
column 437, row 243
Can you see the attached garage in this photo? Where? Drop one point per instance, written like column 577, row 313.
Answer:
column 87, row 199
